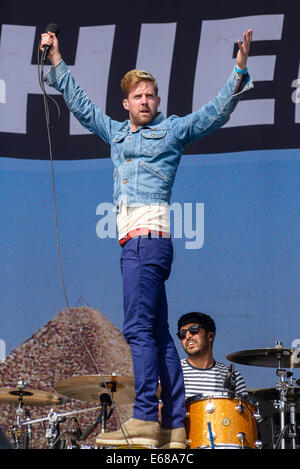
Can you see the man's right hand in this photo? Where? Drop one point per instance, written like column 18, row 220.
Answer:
column 50, row 39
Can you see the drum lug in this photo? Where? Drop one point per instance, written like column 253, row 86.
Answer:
column 257, row 415
column 258, row 444
column 239, row 408
column 241, row 436
column 210, row 408
column 213, row 435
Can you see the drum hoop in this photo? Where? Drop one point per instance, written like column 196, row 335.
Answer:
column 224, row 445
column 203, row 397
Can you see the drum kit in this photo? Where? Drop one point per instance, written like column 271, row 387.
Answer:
column 235, row 422
column 107, row 390
column 286, row 393
column 217, row 421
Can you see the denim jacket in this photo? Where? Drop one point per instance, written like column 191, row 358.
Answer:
column 146, row 161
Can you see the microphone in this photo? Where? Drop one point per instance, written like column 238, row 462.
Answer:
column 229, row 382
column 102, row 417
column 53, row 28
column 105, row 401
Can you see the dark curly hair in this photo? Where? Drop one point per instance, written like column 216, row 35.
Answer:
column 198, row 318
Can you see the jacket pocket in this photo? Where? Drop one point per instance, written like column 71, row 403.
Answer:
column 150, row 169
column 116, row 144
column 153, row 142
column 151, row 182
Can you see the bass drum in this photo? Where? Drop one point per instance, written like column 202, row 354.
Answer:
column 220, row 422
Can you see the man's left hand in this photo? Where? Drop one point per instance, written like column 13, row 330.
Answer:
column 244, row 49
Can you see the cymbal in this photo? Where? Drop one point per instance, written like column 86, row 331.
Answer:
column 91, row 387
column 30, row 397
column 273, row 394
column 267, row 357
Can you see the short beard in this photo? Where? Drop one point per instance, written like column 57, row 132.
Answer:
column 194, row 354
column 139, row 123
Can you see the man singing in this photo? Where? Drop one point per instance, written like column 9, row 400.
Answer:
column 146, row 150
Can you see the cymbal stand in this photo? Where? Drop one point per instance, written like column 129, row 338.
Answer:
column 293, row 434
column 292, row 409
column 16, row 430
column 53, row 434
column 66, row 414
column 27, row 432
column 286, row 430
column 281, row 405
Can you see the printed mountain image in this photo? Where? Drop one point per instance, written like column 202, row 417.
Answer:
column 78, row 344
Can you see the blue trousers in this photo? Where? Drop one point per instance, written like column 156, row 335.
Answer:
column 145, row 266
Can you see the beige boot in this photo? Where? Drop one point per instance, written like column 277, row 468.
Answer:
column 172, row 438
column 134, row 432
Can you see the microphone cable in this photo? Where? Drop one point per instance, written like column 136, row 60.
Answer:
column 41, row 62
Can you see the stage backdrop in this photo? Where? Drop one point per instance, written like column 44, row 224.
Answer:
column 235, row 207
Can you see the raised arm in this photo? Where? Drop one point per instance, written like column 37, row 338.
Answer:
column 217, row 112
column 61, row 78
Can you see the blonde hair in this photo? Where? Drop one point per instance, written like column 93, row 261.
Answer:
column 133, row 77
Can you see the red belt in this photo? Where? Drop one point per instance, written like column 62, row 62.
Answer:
column 143, row 232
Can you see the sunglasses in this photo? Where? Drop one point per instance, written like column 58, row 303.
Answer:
column 192, row 330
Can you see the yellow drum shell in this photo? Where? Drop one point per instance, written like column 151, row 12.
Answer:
column 229, row 419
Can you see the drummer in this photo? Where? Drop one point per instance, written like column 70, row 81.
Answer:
column 203, row 375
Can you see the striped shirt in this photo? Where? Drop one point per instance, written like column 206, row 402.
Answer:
column 208, row 382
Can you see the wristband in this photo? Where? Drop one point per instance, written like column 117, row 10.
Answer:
column 243, row 72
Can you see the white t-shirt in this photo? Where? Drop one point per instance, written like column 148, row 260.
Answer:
column 155, row 217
